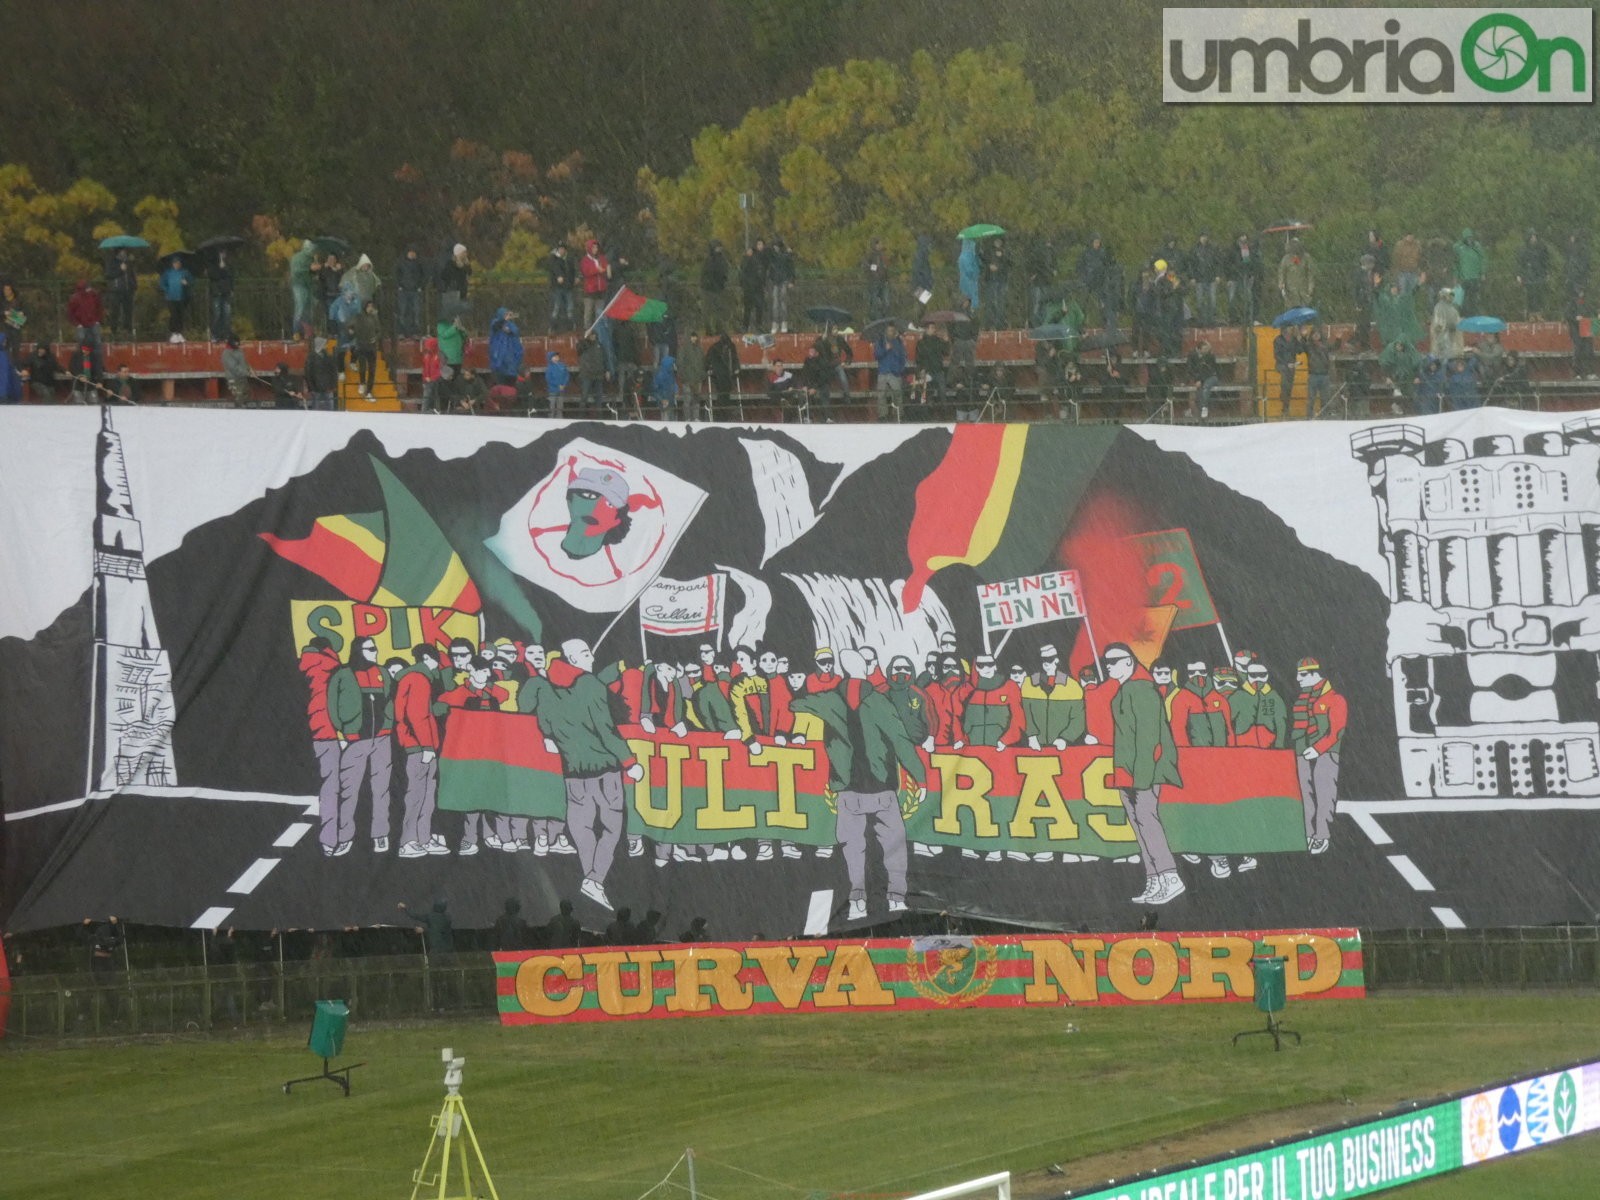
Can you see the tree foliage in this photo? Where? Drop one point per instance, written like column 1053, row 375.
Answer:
column 872, row 149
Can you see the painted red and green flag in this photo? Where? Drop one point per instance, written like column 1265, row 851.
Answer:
column 628, row 305
column 396, row 558
column 1000, row 500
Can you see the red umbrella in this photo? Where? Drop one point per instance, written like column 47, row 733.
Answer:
column 1289, row 226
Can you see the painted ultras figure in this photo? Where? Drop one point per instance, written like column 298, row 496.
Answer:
column 1318, row 733
column 867, row 747
column 1144, row 756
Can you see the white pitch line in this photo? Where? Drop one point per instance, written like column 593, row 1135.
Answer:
column 818, row 912
column 212, row 918
column 1409, row 872
column 1447, row 918
column 292, row 835
column 1485, row 805
column 168, row 793
column 1368, row 825
column 254, row 874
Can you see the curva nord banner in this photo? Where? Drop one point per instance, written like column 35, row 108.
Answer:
column 289, row 669
column 622, row 983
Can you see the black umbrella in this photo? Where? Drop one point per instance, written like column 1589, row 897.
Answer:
column 827, row 314
column 1104, row 340
column 227, row 241
column 874, row 328
column 948, row 317
column 335, row 245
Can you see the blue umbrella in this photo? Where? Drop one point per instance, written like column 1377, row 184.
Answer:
column 124, row 241
column 1295, row 316
column 1483, row 325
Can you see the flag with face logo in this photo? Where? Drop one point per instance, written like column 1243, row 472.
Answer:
column 598, row 529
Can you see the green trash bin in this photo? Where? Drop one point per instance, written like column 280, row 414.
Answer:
column 1271, row 990
column 327, row 1028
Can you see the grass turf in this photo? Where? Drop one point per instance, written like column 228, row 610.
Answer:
column 776, row 1107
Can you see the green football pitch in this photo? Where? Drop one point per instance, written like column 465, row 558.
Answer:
column 776, row 1108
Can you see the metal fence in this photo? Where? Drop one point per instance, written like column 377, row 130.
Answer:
column 1539, row 957
column 170, row 1000
column 175, row 1000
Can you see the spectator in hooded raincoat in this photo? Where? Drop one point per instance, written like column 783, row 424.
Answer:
column 505, row 347
column 968, row 270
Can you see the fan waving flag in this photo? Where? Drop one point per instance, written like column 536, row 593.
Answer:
column 628, row 305
column 397, row 557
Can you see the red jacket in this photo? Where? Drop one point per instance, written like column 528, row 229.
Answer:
column 85, row 308
column 466, row 696
column 780, row 716
column 822, row 683
column 1097, row 711
column 415, row 726
column 947, row 701
column 432, row 364
column 594, row 268
column 1185, row 704
column 317, row 666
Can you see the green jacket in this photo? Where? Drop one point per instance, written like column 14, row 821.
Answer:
column 533, row 693
column 1265, row 708
column 712, row 709
column 452, row 342
column 1401, row 362
column 364, row 330
column 1396, row 318
column 578, row 720
column 1472, row 260
column 1054, row 709
column 300, row 266
column 886, row 740
column 357, row 710
column 1142, row 748
column 911, row 704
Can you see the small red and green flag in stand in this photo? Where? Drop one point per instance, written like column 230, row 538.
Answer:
column 628, row 305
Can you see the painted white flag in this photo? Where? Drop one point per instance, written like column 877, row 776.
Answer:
column 599, row 528
column 673, row 606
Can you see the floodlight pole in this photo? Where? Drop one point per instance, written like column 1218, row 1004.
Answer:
column 688, row 1155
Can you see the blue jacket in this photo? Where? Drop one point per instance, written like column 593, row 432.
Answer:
column 556, row 374
column 505, row 344
column 1462, row 389
column 664, row 387
column 968, row 267
column 891, row 356
column 175, row 283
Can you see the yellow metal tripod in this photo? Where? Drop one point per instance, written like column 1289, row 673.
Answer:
column 452, row 1133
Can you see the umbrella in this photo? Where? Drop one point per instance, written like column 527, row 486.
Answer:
column 1294, row 316
column 1052, row 333
column 449, row 310
column 1483, row 325
column 872, row 330
column 227, row 241
column 972, row 232
column 827, row 314
column 1104, row 340
column 329, row 244
column 1291, row 225
column 124, row 241
column 948, row 317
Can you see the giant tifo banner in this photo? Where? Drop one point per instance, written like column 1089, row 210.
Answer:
column 1417, row 1141
column 920, row 973
column 290, row 669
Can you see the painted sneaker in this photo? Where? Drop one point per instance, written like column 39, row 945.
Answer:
column 468, row 849
column 1152, row 888
column 492, row 840
column 1171, row 887
column 764, row 852
column 596, row 891
column 413, row 850
column 1317, row 845
column 1220, row 868
column 1190, row 858
column 338, row 851
column 541, row 845
column 824, row 851
column 897, row 904
column 436, row 845
column 635, row 845
column 380, row 845
column 717, row 854
column 1246, row 864
column 563, row 845
column 790, row 850
column 858, row 911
